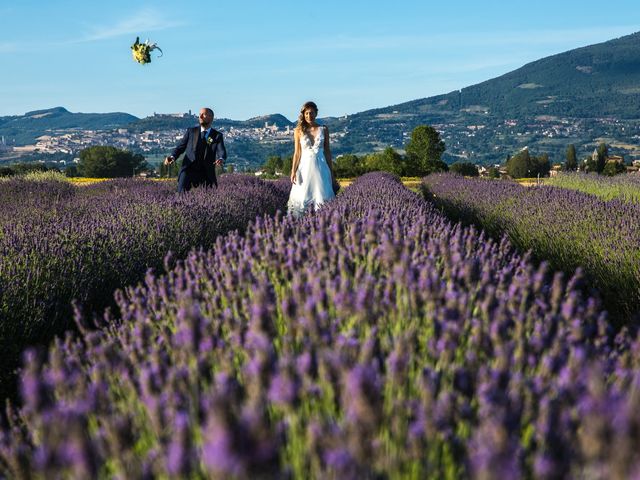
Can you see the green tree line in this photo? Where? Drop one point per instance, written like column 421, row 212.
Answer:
column 525, row 165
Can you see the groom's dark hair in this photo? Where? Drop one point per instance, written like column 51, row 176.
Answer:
column 209, row 110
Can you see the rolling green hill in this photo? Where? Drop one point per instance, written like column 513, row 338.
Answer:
column 595, row 81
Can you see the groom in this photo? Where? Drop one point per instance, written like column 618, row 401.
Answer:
column 204, row 149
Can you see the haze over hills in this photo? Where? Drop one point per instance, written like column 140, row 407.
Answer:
column 581, row 96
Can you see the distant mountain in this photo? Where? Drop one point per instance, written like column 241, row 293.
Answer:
column 595, row 81
column 24, row 129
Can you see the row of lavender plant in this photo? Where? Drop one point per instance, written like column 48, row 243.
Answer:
column 622, row 187
column 568, row 228
column 372, row 340
column 59, row 243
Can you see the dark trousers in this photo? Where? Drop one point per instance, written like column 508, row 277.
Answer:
column 193, row 177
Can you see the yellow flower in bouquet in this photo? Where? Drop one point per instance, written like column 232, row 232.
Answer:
column 142, row 51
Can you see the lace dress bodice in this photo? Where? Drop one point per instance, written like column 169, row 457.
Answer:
column 307, row 144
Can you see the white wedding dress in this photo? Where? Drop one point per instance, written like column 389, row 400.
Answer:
column 313, row 185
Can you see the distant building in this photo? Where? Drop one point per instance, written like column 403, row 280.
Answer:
column 175, row 115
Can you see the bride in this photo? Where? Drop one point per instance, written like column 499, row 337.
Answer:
column 311, row 171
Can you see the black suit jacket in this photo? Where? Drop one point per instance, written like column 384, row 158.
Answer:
column 214, row 150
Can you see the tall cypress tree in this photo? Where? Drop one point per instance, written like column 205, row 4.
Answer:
column 603, row 153
column 572, row 160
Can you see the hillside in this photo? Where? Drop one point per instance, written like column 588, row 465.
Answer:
column 275, row 119
column 595, row 81
column 25, row 128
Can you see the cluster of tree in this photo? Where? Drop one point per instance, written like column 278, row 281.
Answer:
column 613, row 168
column 423, row 156
column 389, row 160
column 525, row 165
column 467, row 169
column 24, row 168
column 276, row 166
column 109, row 162
column 599, row 164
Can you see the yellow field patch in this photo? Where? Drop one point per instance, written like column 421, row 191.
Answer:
column 409, row 182
column 86, row 180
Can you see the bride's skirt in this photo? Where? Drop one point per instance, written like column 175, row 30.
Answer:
column 313, row 185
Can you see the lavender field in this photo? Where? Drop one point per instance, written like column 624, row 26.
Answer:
column 60, row 243
column 374, row 339
column 568, row 228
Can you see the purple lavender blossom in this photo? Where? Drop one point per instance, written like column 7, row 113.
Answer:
column 368, row 340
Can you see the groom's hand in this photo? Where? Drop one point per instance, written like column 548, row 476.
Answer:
column 169, row 160
column 219, row 162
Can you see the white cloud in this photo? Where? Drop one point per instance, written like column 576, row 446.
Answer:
column 143, row 21
column 139, row 23
column 8, row 47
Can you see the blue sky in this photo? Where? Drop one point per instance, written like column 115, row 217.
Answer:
column 250, row 58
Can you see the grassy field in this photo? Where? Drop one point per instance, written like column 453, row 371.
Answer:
column 621, row 187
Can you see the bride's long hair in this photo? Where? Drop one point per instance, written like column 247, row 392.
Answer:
column 303, row 125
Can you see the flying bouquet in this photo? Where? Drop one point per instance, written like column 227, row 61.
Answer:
column 142, row 51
